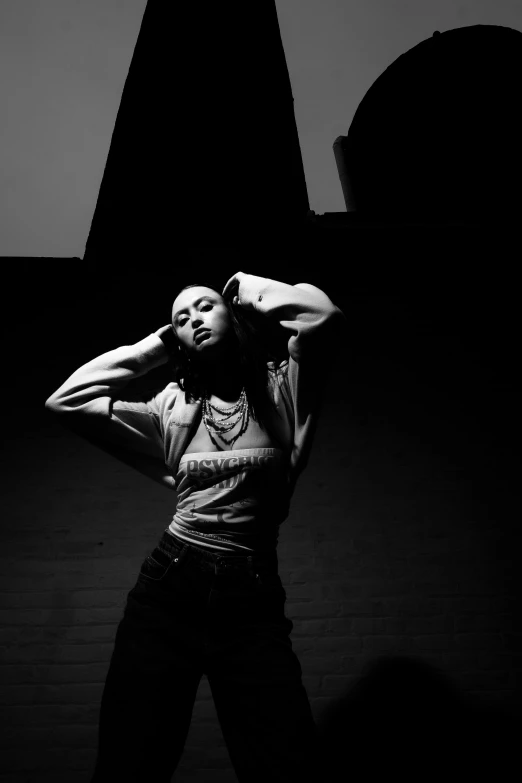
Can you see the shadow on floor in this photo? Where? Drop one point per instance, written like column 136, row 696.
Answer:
column 408, row 719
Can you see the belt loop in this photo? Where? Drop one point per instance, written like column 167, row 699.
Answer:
column 182, row 552
column 174, row 547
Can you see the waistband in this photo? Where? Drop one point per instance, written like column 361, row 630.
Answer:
column 207, row 561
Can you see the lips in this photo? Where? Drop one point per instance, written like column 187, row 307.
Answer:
column 199, row 336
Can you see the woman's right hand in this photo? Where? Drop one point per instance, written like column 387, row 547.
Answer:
column 166, row 334
column 163, row 329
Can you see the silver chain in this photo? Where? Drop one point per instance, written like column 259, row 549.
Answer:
column 222, row 425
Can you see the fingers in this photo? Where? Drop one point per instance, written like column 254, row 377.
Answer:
column 231, row 286
column 228, row 287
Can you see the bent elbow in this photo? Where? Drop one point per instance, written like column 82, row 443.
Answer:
column 53, row 404
column 337, row 319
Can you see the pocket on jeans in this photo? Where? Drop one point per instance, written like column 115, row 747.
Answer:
column 156, row 565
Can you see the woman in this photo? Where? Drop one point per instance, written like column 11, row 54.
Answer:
column 230, row 435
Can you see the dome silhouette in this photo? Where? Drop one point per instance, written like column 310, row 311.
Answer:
column 439, row 130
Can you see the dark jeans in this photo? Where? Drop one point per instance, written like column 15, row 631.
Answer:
column 194, row 612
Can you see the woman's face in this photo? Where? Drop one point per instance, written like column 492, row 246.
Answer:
column 196, row 309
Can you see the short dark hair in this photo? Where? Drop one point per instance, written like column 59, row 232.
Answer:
column 260, row 342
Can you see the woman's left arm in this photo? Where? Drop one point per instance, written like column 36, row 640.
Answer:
column 317, row 329
column 303, row 308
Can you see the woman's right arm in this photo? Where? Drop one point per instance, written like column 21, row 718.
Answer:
column 92, row 402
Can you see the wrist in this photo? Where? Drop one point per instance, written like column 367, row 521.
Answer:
column 168, row 338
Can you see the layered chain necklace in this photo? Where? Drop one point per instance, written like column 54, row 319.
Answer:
column 218, row 426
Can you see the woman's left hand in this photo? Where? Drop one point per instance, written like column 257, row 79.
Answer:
column 231, row 289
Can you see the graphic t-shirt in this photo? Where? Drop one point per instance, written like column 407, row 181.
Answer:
column 232, row 501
